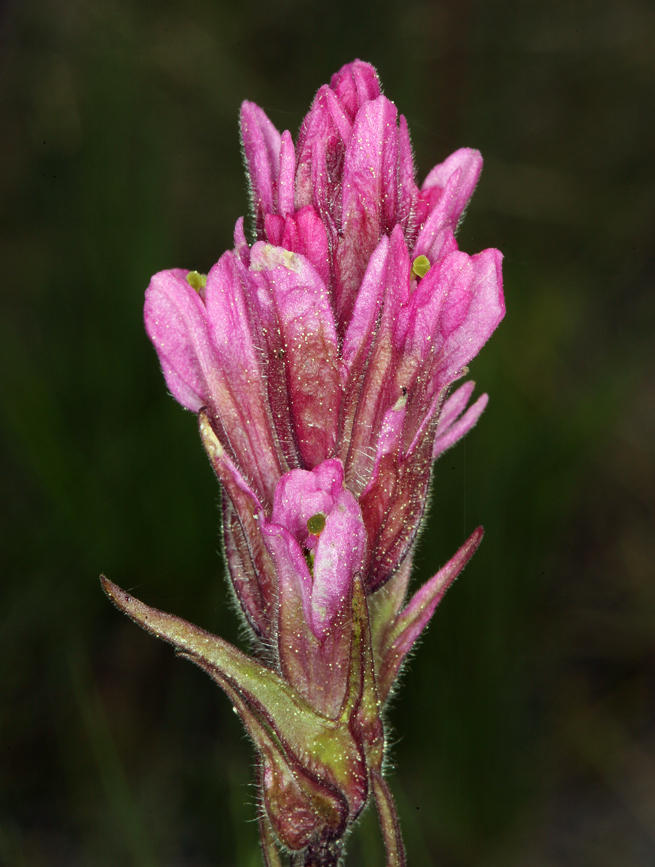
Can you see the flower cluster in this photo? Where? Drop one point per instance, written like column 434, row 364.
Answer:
column 319, row 361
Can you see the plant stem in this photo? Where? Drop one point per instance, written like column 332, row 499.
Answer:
column 323, row 855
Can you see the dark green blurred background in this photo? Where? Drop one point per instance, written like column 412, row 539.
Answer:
column 524, row 733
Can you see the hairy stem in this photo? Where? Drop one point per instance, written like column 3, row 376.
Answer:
column 393, row 841
column 270, row 851
column 323, row 855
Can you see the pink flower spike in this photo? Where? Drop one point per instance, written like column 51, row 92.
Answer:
column 451, row 431
column 320, row 362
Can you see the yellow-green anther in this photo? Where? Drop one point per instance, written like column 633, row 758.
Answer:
column 316, row 524
column 197, row 281
column 420, row 266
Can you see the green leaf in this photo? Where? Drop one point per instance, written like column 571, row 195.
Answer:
column 288, row 732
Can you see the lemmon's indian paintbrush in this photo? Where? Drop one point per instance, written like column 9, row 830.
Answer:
column 320, row 360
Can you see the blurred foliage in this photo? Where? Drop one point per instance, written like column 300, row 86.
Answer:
column 525, row 726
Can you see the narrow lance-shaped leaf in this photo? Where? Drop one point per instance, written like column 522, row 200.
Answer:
column 335, row 757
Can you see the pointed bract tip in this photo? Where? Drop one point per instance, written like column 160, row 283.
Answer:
column 111, row 590
column 407, row 625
